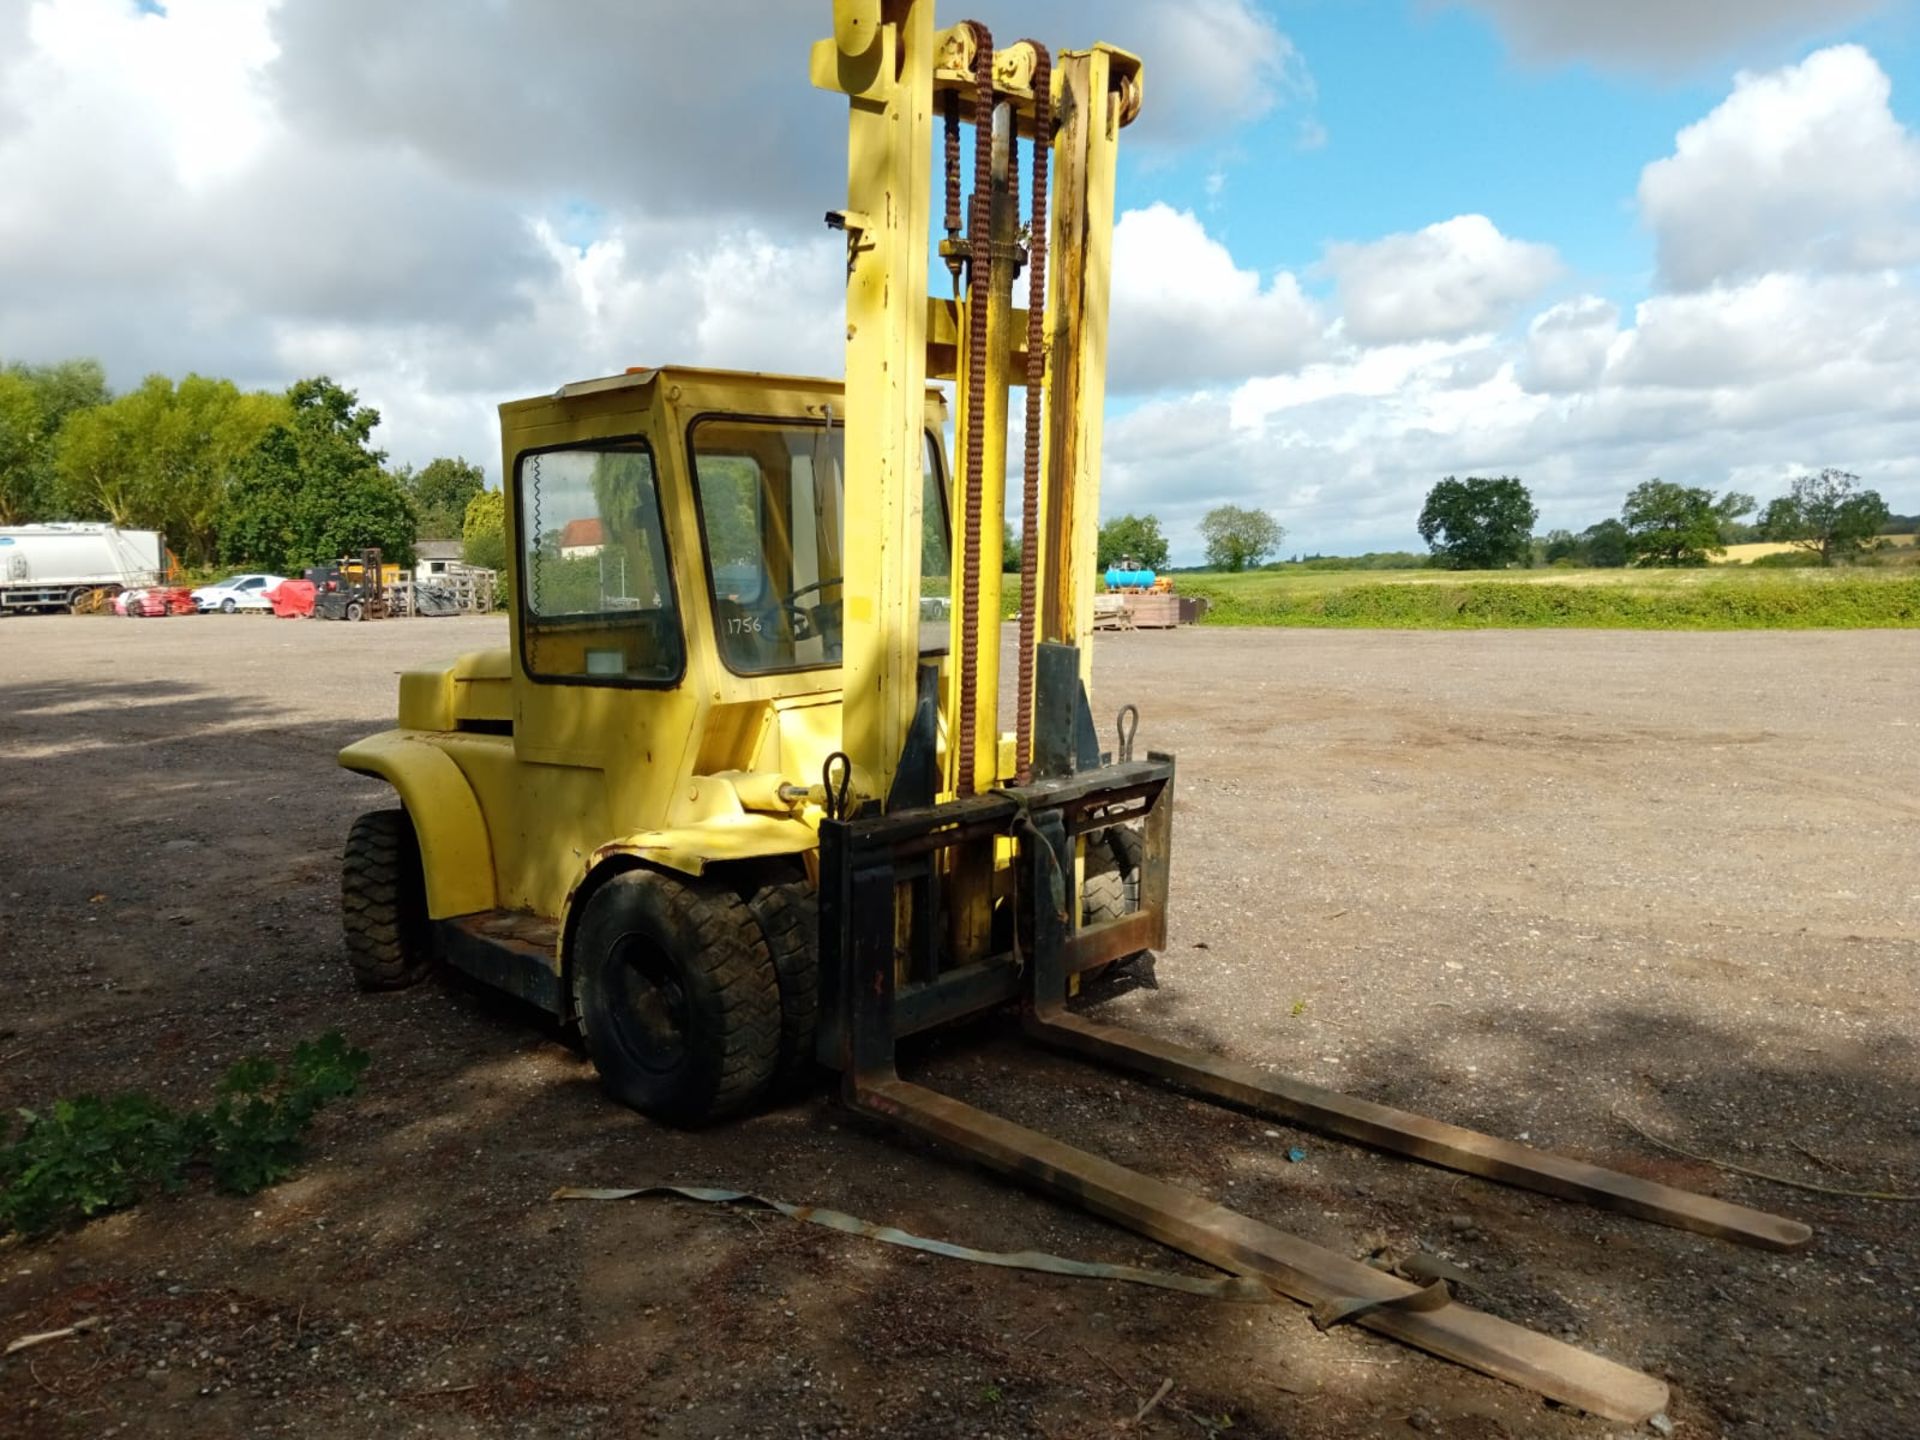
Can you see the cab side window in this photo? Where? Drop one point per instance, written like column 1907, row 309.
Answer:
column 596, row 591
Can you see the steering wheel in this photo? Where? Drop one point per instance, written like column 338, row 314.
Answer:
column 802, row 617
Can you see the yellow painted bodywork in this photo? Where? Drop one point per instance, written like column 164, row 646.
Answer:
column 881, row 58
column 521, row 788
column 1096, row 92
column 455, row 850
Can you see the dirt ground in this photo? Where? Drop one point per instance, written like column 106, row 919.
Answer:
column 1536, row 882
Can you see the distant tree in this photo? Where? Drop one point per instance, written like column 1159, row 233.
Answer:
column 1560, row 545
column 161, row 457
column 441, row 491
column 36, row 401
column 1669, row 524
column 1605, row 545
column 1827, row 514
column 1010, row 544
column 1134, row 537
column 24, row 470
column 66, row 387
column 313, row 488
column 1238, row 538
column 1729, row 510
column 1479, row 523
column 483, row 536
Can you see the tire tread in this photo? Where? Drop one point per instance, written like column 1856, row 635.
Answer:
column 788, row 916
column 383, row 903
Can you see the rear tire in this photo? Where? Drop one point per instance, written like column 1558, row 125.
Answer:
column 789, row 917
column 1110, row 889
column 383, row 903
column 676, row 996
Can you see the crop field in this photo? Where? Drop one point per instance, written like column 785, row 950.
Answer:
column 1708, row 598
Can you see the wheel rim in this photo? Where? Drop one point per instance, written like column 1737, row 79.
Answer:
column 650, row 1001
column 226, row 607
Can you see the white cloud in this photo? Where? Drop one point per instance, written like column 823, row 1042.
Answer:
column 1661, row 34
column 1185, row 314
column 1777, row 327
column 700, row 109
column 1804, row 166
column 260, row 188
column 1567, row 345
column 1743, row 385
column 1450, row 279
column 1212, row 64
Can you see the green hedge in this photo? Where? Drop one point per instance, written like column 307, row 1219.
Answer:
column 1748, row 605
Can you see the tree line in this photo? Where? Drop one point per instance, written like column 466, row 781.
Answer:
column 278, row 480
column 1486, row 523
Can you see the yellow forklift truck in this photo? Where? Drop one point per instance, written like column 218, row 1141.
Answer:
column 729, row 805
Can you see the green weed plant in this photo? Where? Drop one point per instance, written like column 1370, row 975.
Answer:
column 87, row 1156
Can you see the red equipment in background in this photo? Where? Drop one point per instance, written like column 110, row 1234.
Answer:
column 158, row 600
column 292, row 599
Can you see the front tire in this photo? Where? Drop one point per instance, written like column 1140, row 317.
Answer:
column 677, row 997
column 383, row 903
column 227, row 607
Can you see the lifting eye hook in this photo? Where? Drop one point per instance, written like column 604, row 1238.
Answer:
column 1128, row 724
column 835, row 800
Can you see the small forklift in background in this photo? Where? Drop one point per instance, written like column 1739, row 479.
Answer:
column 726, row 806
column 350, row 589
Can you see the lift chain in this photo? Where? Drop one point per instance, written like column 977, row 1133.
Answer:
column 952, row 249
column 1035, row 379
column 979, row 289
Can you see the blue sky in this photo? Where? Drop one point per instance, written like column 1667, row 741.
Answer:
column 1427, row 113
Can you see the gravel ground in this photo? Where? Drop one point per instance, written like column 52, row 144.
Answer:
column 1540, row 882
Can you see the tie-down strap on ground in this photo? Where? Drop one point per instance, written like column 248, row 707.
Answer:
column 1222, row 1287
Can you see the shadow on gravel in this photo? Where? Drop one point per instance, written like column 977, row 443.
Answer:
column 1768, row 1344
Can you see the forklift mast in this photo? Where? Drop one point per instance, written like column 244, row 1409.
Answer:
column 904, row 78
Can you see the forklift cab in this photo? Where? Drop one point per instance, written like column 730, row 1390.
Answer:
column 648, row 504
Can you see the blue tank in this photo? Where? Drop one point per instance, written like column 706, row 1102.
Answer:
column 1118, row 579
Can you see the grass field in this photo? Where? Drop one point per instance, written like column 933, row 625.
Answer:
column 1719, row 598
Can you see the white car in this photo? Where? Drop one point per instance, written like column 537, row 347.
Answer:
column 236, row 592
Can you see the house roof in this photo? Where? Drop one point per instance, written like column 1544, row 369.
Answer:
column 438, row 549
column 578, row 534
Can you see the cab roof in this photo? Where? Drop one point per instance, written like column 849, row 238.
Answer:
column 640, row 377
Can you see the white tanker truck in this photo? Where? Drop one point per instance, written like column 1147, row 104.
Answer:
column 59, row 567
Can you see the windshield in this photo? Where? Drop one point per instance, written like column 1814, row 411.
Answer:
column 770, row 507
